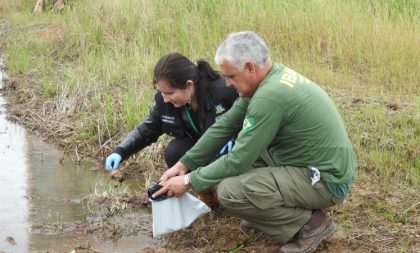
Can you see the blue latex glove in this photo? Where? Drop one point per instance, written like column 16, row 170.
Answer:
column 112, row 161
column 227, row 148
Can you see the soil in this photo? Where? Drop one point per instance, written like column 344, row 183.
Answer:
column 114, row 216
column 215, row 232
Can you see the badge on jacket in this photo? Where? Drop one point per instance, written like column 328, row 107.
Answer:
column 219, row 109
column 248, row 124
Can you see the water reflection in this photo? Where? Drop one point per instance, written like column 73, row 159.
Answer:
column 55, row 187
column 40, row 186
column 13, row 207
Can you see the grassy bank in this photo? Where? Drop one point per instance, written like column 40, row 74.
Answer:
column 83, row 77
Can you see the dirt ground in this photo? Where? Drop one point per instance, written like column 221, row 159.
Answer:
column 113, row 216
column 215, row 232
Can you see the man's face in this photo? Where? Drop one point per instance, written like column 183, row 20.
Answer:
column 177, row 97
column 242, row 81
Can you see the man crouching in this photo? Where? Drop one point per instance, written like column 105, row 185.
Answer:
column 292, row 156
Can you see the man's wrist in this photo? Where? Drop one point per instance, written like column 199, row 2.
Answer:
column 187, row 181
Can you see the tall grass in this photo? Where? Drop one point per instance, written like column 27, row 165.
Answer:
column 103, row 52
column 375, row 42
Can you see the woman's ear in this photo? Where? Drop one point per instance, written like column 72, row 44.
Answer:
column 189, row 84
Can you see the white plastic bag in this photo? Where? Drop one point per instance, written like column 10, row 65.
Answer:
column 174, row 213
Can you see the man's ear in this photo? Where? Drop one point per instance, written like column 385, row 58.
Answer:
column 250, row 67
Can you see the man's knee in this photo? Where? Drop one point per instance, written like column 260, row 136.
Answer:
column 228, row 192
column 222, row 193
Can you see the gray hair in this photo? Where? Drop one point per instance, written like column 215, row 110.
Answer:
column 241, row 47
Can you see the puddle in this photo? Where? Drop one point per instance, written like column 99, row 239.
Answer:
column 13, row 208
column 40, row 186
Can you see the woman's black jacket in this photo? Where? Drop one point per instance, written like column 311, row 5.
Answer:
column 164, row 118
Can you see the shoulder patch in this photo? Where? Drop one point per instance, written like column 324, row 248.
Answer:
column 249, row 124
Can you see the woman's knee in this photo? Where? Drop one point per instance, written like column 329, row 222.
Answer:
column 176, row 149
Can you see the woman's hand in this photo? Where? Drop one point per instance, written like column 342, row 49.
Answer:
column 112, row 162
column 178, row 169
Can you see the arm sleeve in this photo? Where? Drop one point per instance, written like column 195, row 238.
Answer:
column 142, row 136
column 260, row 127
column 228, row 125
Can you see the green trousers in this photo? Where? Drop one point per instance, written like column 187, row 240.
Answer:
column 276, row 200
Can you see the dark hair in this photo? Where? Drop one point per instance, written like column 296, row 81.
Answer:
column 177, row 69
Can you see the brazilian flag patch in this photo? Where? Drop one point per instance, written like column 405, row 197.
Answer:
column 249, row 124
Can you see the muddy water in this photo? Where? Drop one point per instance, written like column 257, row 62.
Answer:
column 38, row 185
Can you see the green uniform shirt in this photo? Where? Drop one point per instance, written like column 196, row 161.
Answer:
column 290, row 119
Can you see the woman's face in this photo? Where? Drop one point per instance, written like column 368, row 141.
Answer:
column 177, row 97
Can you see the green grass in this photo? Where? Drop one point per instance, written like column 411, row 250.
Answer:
column 100, row 55
column 375, row 42
column 107, row 49
column 385, row 140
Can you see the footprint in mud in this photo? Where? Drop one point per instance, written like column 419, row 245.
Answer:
column 10, row 240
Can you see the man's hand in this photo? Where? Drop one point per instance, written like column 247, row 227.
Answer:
column 178, row 169
column 174, row 186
